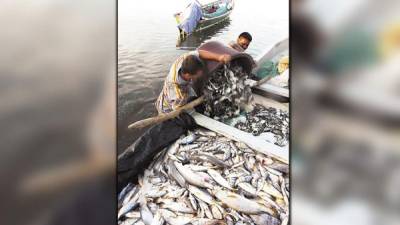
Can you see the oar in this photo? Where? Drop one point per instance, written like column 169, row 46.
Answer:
column 165, row 116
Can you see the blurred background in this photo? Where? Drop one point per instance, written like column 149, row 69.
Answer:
column 345, row 109
column 58, row 112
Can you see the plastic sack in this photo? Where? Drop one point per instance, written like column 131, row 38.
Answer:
column 137, row 157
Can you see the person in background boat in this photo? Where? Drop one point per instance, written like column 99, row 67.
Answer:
column 282, row 79
column 242, row 42
column 178, row 86
column 189, row 18
column 212, row 9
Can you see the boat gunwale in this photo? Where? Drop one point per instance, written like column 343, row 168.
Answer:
column 211, row 24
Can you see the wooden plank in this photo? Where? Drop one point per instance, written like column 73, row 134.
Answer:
column 253, row 142
column 267, row 102
column 274, row 89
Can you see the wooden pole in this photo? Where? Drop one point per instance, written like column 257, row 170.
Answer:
column 165, row 116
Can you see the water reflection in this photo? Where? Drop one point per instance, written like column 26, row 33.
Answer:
column 197, row 38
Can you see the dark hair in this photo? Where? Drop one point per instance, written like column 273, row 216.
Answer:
column 191, row 64
column 246, row 35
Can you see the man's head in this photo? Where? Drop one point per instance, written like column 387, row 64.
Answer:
column 244, row 40
column 192, row 68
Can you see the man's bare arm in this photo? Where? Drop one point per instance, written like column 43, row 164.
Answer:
column 223, row 58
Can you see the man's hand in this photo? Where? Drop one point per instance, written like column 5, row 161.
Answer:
column 225, row 58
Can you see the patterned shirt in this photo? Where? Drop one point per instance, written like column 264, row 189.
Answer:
column 176, row 91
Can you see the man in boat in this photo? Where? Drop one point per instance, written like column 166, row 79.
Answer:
column 189, row 18
column 177, row 91
column 242, row 42
column 282, row 79
column 178, row 86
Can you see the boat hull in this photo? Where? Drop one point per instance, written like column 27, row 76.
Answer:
column 208, row 22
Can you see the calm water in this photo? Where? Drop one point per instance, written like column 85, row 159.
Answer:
column 147, row 37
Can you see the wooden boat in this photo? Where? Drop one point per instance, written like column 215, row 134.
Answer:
column 223, row 9
column 257, row 143
column 273, row 54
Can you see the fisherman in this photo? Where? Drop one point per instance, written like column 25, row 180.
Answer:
column 175, row 93
column 178, row 86
column 242, row 42
column 282, row 78
column 189, row 18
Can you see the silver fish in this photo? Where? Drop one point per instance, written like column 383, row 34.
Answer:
column 227, row 156
column 264, row 218
column 201, row 194
column 283, row 168
column 285, row 197
column 210, row 158
column 173, row 219
column 203, row 221
column 229, row 220
column 126, row 208
column 206, row 210
column 130, row 195
column 192, row 201
column 145, row 213
column 158, row 219
column 219, row 179
column 249, row 189
column 129, row 221
column 217, row 214
column 240, row 203
column 198, row 168
column 173, row 172
column 285, row 220
column 133, row 214
column 269, row 189
column 206, row 133
column 202, row 139
column 125, row 191
column 200, row 212
column 189, row 147
column 275, row 172
column 139, row 222
column 191, row 177
column 155, row 193
column 173, row 148
column 188, row 139
column 177, row 207
column 175, row 193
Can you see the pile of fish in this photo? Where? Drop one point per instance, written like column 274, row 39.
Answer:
column 226, row 91
column 265, row 121
column 207, row 179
